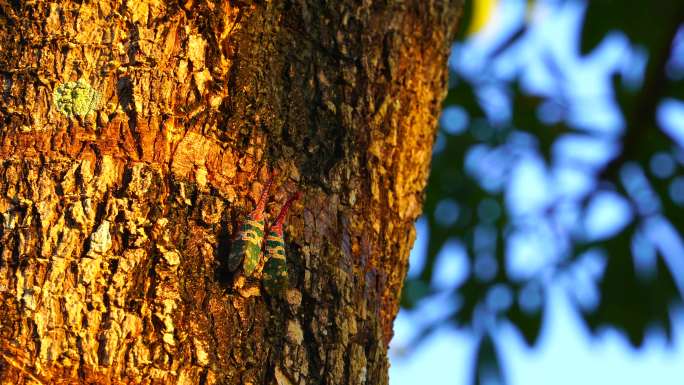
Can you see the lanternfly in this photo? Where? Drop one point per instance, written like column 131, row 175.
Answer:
column 247, row 247
column 275, row 269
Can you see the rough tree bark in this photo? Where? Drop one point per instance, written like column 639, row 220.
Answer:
column 118, row 211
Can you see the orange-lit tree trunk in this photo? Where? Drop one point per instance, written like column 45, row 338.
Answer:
column 117, row 211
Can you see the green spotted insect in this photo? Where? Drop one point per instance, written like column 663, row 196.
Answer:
column 246, row 248
column 275, row 268
column 249, row 245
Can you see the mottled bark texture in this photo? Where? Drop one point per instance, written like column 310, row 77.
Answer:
column 117, row 213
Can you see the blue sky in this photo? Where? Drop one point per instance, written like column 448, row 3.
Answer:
column 565, row 352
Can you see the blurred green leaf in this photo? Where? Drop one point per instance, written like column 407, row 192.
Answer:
column 634, row 18
column 472, row 292
column 528, row 322
column 466, row 19
column 525, row 118
column 488, row 368
column 628, row 301
column 413, row 291
column 676, row 90
column 463, row 94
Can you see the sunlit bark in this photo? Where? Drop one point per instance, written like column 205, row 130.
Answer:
column 135, row 137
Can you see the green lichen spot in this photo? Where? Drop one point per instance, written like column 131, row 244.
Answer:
column 76, row 98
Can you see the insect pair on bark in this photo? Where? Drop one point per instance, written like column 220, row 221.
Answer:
column 250, row 244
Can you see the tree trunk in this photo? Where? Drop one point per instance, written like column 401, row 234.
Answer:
column 136, row 137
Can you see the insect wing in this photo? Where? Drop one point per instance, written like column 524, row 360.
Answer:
column 247, row 247
column 253, row 236
column 275, row 269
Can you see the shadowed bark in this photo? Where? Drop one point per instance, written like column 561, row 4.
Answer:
column 137, row 135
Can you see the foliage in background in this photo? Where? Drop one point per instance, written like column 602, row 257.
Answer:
column 628, row 278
